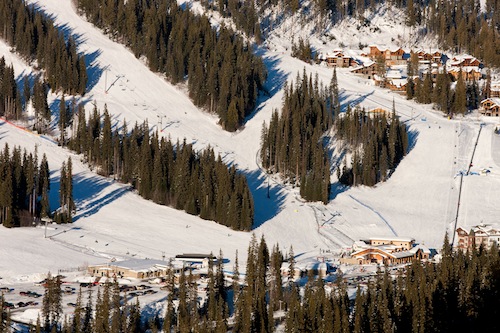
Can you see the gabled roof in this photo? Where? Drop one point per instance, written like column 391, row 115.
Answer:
column 139, row 264
column 486, row 229
column 494, row 100
column 396, row 239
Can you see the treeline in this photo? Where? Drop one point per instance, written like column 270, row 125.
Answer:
column 292, row 144
column 34, row 37
column 24, row 187
column 377, row 142
column 224, row 75
column 166, row 173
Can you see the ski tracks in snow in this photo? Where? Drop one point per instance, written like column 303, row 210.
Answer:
column 377, row 213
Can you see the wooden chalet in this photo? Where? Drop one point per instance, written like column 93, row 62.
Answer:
column 429, row 57
column 490, row 107
column 367, row 71
column 398, row 85
column 339, row 59
column 468, row 73
column 495, row 89
column 392, row 56
column 465, row 61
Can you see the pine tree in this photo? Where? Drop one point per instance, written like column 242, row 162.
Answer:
column 460, row 97
column 44, row 187
column 63, row 121
column 334, row 93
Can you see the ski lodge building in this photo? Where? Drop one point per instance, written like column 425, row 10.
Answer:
column 134, row 269
column 150, row 268
column 386, row 250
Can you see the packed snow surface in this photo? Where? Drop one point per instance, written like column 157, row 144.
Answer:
column 419, row 200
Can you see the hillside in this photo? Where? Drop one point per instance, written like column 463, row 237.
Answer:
column 419, row 200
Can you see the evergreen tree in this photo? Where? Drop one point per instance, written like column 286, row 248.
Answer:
column 460, row 97
column 334, row 93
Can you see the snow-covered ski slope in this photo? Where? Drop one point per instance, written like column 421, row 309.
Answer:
column 419, row 200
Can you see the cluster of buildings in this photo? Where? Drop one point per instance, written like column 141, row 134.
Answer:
column 483, row 234
column 395, row 69
column 396, row 59
column 375, row 250
column 386, row 250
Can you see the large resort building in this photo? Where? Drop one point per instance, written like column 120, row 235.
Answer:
column 387, row 250
column 483, row 234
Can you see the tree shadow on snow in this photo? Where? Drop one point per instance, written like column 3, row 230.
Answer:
column 87, row 194
column 265, row 207
column 276, row 78
column 412, row 139
column 358, row 100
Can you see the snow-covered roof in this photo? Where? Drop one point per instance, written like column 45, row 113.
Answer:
column 422, row 247
column 458, row 60
column 138, row 264
column 488, row 229
column 467, row 69
column 395, row 239
column 391, row 48
column 399, row 82
column 394, row 74
column 495, row 100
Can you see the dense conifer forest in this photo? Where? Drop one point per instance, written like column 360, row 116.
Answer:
column 167, row 173
column 224, row 76
column 292, row 143
column 457, row 294
column 460, row 25
column 33, row 35
column 377, row 142
column 24, row 187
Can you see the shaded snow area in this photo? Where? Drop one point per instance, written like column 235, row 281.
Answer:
column 419, row 200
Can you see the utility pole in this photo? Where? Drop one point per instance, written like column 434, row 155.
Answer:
column 160, row 121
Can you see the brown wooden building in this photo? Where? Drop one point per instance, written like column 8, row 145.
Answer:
column 367, row 71
column 490, row 107
column 339, row 59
